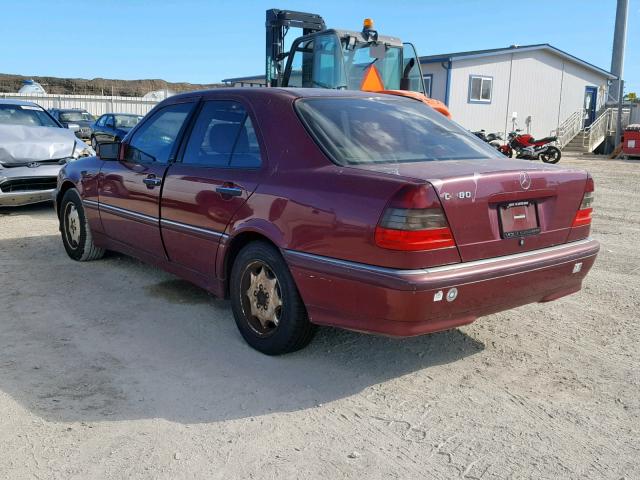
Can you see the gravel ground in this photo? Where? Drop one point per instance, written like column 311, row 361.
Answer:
column 114, row 369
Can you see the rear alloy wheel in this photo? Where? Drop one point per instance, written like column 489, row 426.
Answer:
column 76, row 235
column 551, row 155
column 266, row 304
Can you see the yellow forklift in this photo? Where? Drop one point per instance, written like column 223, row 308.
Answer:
column 341, row 59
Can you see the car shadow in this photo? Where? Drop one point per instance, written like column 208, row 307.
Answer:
column 42, row 208
column 116, row 339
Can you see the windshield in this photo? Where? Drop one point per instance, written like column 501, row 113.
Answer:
column 387, row 60
column 126, row 121
column 27, row 115
column 356, row 130
column 326, row 61
column 75, row 117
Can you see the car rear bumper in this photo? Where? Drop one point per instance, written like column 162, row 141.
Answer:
column 413, row 302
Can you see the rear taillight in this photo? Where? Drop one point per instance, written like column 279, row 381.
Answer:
column 583, row 216
column 414, row 220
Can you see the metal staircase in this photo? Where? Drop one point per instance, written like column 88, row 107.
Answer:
column 568, row 129
column 586, row 140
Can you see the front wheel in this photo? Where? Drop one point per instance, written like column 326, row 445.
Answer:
column 74, row 227
column 266, row 304
column 551, row 155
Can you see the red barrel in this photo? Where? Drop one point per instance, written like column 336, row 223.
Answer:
column 631, row 140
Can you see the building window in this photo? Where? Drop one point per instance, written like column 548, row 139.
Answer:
column 428, row 79
column 480, row 89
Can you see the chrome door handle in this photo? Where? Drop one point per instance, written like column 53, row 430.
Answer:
column 152, row 182
column 230, row 191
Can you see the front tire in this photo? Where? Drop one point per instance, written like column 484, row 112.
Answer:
column 74, row 227
column 94, row 143
column 266, row 304
column 551, row 155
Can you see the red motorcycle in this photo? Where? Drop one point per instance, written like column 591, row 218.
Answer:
column 525, row 146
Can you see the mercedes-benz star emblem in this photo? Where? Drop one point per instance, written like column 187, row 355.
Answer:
column 33, row 165
column 525, row 180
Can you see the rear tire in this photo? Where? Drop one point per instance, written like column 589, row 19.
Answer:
column 74, row 227
column 551, row 155
column 266, row 304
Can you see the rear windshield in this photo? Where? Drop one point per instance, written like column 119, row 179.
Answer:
column 126, row 121
column 387, row 130
column 27, row 115
column 76, row 116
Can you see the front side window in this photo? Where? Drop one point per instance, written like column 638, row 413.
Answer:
column 328, row 69
column 155, row 139
column 223, row 136
column 480, row 89
column 302, row 65
column 25, row 115
column 358, row 130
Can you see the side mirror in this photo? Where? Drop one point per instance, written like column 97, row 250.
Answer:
column 108, row 150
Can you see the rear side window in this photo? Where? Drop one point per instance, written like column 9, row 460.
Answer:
column 223, row 136
column 155, row 139
column 357, row 130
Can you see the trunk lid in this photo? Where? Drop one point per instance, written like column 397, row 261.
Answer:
column 473, row 193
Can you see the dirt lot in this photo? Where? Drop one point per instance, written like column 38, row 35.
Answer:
column 114, row 369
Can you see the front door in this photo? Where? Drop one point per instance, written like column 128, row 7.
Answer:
column 590, row 98
column 218, row 171
column 129, row 191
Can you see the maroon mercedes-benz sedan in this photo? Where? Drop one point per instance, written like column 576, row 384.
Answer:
column 315, row 207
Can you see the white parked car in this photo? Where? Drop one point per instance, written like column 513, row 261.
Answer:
column 33, row 148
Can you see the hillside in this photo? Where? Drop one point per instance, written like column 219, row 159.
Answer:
column 99, row 86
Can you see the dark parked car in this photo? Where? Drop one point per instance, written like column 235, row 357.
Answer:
column 317, row 207
column 77, row 120
column 112, row 127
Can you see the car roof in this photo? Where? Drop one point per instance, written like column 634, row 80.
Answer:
column 278, row 92
column 10, row 101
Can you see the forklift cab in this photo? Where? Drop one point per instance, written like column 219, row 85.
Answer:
column 348, row 60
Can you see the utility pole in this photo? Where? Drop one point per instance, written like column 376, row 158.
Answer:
column 617, row 60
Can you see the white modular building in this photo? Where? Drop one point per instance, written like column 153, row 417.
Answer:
column 538, row 88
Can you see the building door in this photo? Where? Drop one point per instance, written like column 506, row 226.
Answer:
column 590, row 98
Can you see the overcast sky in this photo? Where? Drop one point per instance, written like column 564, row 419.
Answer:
column 205, row 41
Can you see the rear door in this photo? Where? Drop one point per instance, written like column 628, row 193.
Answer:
column 129, row 191
column 219, row 169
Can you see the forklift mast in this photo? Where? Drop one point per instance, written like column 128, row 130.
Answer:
column 278, row 24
